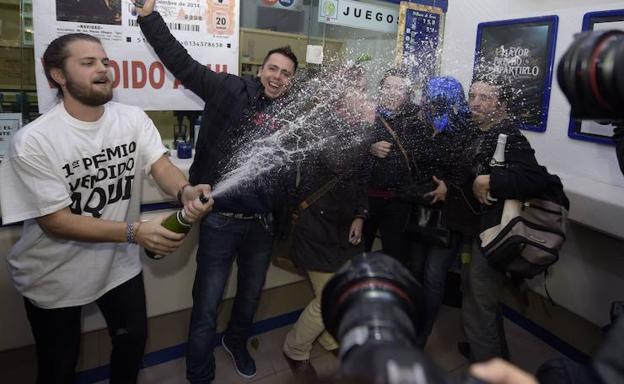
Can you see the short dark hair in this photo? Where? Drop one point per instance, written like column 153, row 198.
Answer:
column 56, row 53
column 503, row 86
column 286, row 51
column 396, row 72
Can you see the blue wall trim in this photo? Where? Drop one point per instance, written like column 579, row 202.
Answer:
column 177, row 351
column 159, row 206
column 94, row 375
column 545, row 336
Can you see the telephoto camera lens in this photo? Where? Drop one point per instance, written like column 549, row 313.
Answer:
column 373, row 307
column 591, row 74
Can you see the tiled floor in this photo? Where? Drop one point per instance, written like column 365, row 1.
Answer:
column 527, row 351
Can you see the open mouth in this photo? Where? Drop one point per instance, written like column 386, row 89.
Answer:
column 274, row 86
column 104, row 80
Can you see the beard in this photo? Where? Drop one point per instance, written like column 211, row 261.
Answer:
column 87, row 95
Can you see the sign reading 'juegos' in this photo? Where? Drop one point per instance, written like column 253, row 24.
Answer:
column 355, row 14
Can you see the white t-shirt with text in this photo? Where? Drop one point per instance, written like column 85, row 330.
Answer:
column 58, row 161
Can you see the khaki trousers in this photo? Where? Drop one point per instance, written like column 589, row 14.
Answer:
column 309, row 327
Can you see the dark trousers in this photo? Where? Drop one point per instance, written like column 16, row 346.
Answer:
column 57, row 335
column 481, row 311
column 389, row 216
column 221, row 239
column 430, row 265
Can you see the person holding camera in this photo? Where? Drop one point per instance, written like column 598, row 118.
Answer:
column 521, row 177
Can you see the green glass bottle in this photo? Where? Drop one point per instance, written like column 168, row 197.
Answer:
column 176, row 222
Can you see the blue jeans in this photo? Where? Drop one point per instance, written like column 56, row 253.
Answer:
column 221, row 239
column 430, row 264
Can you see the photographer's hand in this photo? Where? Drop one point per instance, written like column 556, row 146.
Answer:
column 498, row 371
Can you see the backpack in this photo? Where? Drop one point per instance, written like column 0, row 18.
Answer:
column 527, row 239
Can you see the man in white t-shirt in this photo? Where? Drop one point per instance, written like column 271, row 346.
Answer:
column 71, row 176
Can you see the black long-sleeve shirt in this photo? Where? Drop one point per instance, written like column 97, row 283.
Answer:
column 234, row 106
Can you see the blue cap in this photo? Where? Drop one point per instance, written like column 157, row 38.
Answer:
column 444, row 101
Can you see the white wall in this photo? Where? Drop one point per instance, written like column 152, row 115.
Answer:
column 590, row 274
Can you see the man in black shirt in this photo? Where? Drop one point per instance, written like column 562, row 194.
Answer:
column 521, row 178
column 241, row 223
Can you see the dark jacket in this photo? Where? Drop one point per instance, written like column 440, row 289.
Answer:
column 446, row 156
column 233, row 105
column 392, row 173
column 321, row 237
column 521, row 178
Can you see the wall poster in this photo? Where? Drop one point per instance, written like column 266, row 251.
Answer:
column 9, row 124
column 419, row 39
column 208, row 29
column 522, row 51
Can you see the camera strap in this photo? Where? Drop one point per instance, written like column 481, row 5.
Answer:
column 313, row 198
column 408, row 160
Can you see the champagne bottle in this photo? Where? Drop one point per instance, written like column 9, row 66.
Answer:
column 178, row 223
column 498, row 160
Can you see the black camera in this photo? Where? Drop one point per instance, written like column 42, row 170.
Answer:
column 591, row 75
column 373, row 307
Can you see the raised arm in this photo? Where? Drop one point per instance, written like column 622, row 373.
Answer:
column 193, row 74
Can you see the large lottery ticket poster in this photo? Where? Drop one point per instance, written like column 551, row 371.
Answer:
column 208, row 29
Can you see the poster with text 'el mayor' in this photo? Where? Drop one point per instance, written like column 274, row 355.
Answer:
column 521, row 53
column 208, row 29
